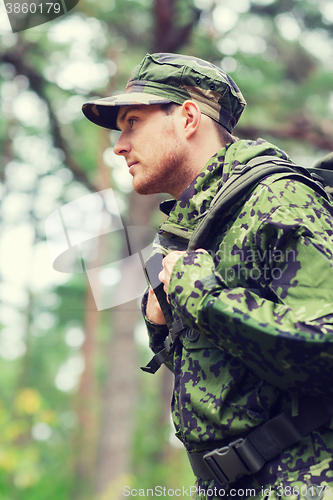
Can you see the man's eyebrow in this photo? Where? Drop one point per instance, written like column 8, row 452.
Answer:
column 121, row 118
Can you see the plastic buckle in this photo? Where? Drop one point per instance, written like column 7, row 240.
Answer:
column 241, row 169
column 232, row 462
column 168, row 344
column 177, row 327
column 155, row 363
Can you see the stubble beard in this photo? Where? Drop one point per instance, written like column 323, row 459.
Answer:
column 165, row 174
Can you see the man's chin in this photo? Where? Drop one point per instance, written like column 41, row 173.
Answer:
column 144, row 188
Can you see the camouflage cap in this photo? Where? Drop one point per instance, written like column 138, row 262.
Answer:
column 163, row 78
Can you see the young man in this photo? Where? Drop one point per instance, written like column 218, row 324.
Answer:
column 253, row 354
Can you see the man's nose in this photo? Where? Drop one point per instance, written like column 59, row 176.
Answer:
column 122, row 147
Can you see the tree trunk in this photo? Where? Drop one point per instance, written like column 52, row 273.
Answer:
column 87, row 398
column 119, row 400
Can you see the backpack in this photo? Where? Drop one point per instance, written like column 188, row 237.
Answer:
column 242, row 182
column 246, row 456
column 245, row 178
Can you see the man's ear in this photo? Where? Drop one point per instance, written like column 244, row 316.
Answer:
column 192, row 117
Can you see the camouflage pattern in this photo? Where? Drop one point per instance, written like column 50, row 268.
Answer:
column 162, row 78
column 259, row 308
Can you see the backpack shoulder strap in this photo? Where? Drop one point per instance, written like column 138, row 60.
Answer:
column 322, row 175
column 243, row 180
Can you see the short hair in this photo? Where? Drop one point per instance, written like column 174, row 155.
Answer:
column 169, row 107
column 224, row 136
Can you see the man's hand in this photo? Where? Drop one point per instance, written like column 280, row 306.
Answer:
column 153, row 309
column 168, row 264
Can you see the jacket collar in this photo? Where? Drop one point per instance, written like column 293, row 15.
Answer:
column 196, row 198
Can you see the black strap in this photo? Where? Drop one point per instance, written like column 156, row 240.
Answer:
column 243, row 180
column 175, row 326
column 322, row 175
column 156, row 361
column 247, row 456
column 169, row 345
column 152, row 270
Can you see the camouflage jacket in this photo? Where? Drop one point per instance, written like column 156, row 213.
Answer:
column 259, row 307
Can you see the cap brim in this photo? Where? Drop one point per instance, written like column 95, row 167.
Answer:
column 104, row 112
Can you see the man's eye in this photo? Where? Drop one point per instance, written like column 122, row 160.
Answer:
column 132, row 121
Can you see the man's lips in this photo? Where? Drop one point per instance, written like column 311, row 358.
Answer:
column 131, row 165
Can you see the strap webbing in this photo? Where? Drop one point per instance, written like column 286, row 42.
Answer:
column 152, row 270
column 268, row 441
column 175, row 326
column 243, row 180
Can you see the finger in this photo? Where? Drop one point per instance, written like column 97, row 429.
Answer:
column 161, row 276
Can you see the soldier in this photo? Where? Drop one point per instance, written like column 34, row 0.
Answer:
column 251, row 344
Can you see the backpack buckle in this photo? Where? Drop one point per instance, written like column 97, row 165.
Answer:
column 241, row 169
column 232, row 462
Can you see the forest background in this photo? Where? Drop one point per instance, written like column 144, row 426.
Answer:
column 78, row 420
